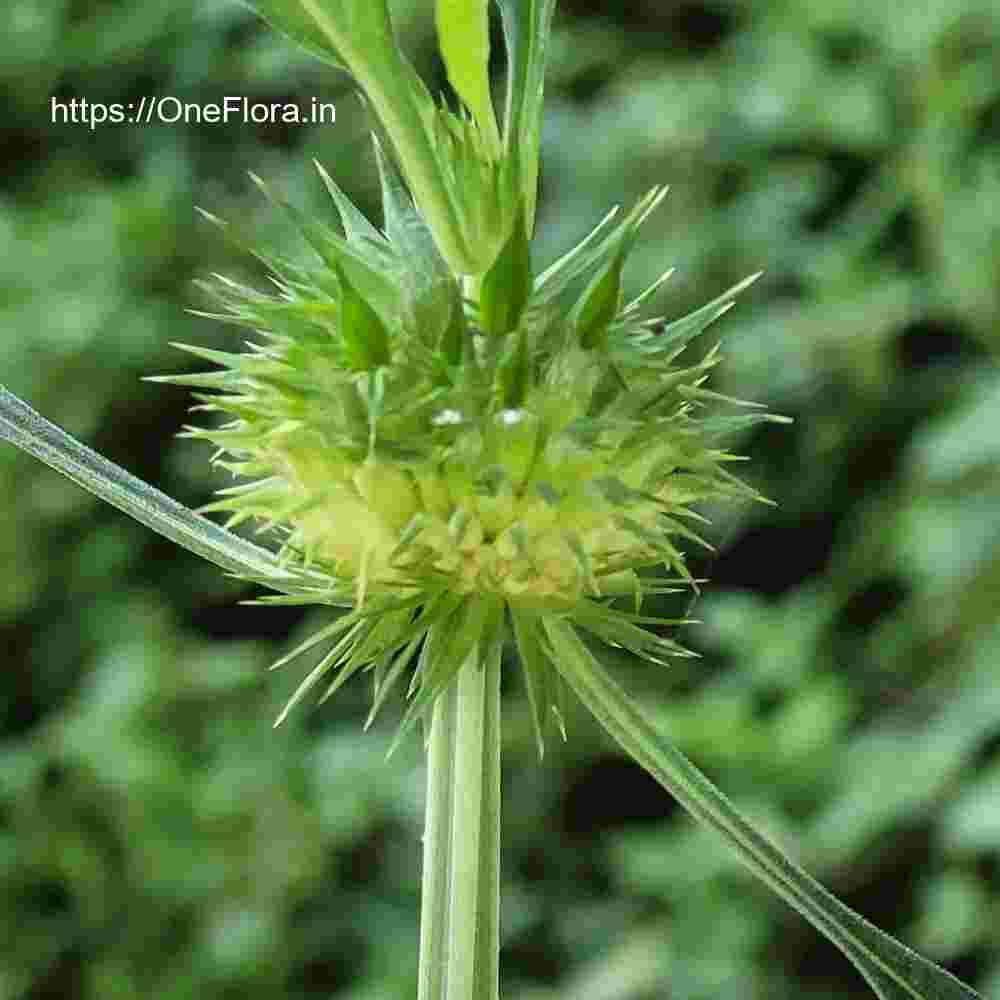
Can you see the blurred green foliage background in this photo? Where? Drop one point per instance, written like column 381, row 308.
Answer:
column 158, row 840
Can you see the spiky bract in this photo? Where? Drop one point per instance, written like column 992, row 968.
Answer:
column 440, row 475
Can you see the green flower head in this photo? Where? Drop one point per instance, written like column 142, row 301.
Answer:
column 443, row 459
column 448, row 443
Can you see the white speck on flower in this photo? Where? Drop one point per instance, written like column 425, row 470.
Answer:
column 446, row 418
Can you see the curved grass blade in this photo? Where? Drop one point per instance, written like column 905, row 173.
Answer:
column 892, row 970
column 30, row 431
column 527, row 28
column 464, row 37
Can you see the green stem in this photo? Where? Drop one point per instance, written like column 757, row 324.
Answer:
column 459, row 937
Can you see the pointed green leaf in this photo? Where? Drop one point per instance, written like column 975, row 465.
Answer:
column 536, row 670
column 527, row 27
column 346, row 32
column 576, row 260
column 365, row 337
column 431, row 298
column 599, row 304
column 391, row 677
column 369, row 267
column 506, row 286
column 890, row 968
column 464, row 37
column 291, row 19
column 686, row 328
column 449, row 642
column 317, row 638
column 592, row 251
column 451, row 343
column 400, row 219
column 514, row 374
column 343, row 648
column 614, row 627
column 359, row 33
column 356, row 225
column 30, row 431
column 649, row 292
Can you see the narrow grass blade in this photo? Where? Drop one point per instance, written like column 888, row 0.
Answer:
column 24, row 427
column 527, row 27
column 464, row 37
column 892, row 970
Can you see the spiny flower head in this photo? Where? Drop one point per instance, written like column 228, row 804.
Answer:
column 443, row 458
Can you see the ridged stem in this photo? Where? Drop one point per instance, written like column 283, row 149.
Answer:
column 459, row 936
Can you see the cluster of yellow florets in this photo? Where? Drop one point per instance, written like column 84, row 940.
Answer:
column 390, row 526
